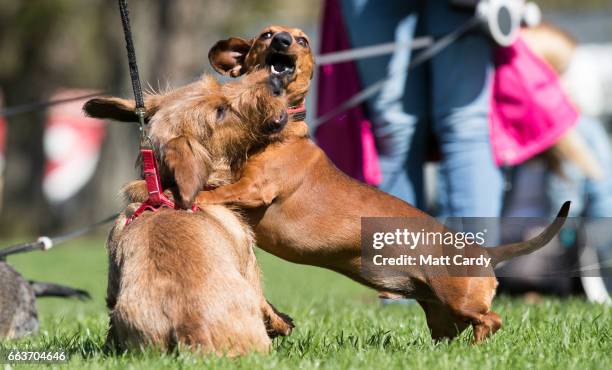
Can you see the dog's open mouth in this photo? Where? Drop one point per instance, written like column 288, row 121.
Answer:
column 281, row 63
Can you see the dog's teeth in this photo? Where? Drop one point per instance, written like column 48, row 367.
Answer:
column 274, row 70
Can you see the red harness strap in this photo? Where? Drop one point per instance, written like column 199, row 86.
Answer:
column 156, row 199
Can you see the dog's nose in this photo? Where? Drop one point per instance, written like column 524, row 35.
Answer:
column 278, row 123
column 281, row 41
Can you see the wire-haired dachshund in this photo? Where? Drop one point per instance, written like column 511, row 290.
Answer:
column 191, row 278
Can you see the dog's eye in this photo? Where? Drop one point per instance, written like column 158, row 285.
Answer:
column 220, row 112
column 302, row 41
column 265, row 35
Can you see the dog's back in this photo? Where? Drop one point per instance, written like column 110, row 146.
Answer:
column 189, row 278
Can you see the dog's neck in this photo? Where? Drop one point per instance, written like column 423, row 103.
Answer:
column 296, row 128
column 296, row 92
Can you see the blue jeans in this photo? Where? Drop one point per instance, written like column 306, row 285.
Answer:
column 450, row 94
column 590, row 198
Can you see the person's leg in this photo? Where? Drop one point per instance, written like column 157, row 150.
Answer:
column 598, row 210
column 397, row 110
column 569, row 186
column 591, row 199
column 460, row 99
column 599, row 192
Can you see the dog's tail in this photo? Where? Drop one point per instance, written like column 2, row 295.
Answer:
column 56, row 290
column 504, row 252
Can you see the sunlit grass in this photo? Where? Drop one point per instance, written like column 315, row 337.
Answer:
column 339, row 325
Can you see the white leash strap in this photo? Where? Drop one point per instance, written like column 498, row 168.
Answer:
column 372, row 51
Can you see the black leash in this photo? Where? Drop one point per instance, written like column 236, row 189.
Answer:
column 156, row 198
column 129, row 45
column 45, row 242
column 134, row 76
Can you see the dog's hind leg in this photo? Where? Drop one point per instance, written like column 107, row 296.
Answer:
column 277, row 323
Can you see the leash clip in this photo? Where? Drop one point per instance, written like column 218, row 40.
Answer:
column 140, row 112
column 46, row 242
column 145, row 140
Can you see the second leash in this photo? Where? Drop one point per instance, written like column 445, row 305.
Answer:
column 45, row 242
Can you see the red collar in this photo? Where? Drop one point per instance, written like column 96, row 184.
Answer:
column 297, row 112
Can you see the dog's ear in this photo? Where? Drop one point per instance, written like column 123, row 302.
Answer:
column 119, row 109
column 227, row 56
column 189, row 163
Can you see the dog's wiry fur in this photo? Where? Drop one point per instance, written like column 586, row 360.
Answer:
column 231, row 119
column 190, row 278
column 180, row 277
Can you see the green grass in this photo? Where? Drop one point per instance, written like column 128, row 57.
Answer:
column 340, row 325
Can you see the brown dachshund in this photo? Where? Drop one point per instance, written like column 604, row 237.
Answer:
column 303, row 209
column 192, row 277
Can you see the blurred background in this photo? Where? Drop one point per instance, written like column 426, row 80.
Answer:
column 60, row 170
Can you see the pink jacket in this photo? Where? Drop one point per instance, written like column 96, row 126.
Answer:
column 347, row 139
column 529, row 110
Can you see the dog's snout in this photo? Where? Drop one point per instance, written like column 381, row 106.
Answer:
column 276, row 85
column 276, row 124
column 280, row 121
column 281, row 41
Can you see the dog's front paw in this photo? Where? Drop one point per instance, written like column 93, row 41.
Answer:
column 203, row 197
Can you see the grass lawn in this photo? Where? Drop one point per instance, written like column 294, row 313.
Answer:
column 340, row 325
